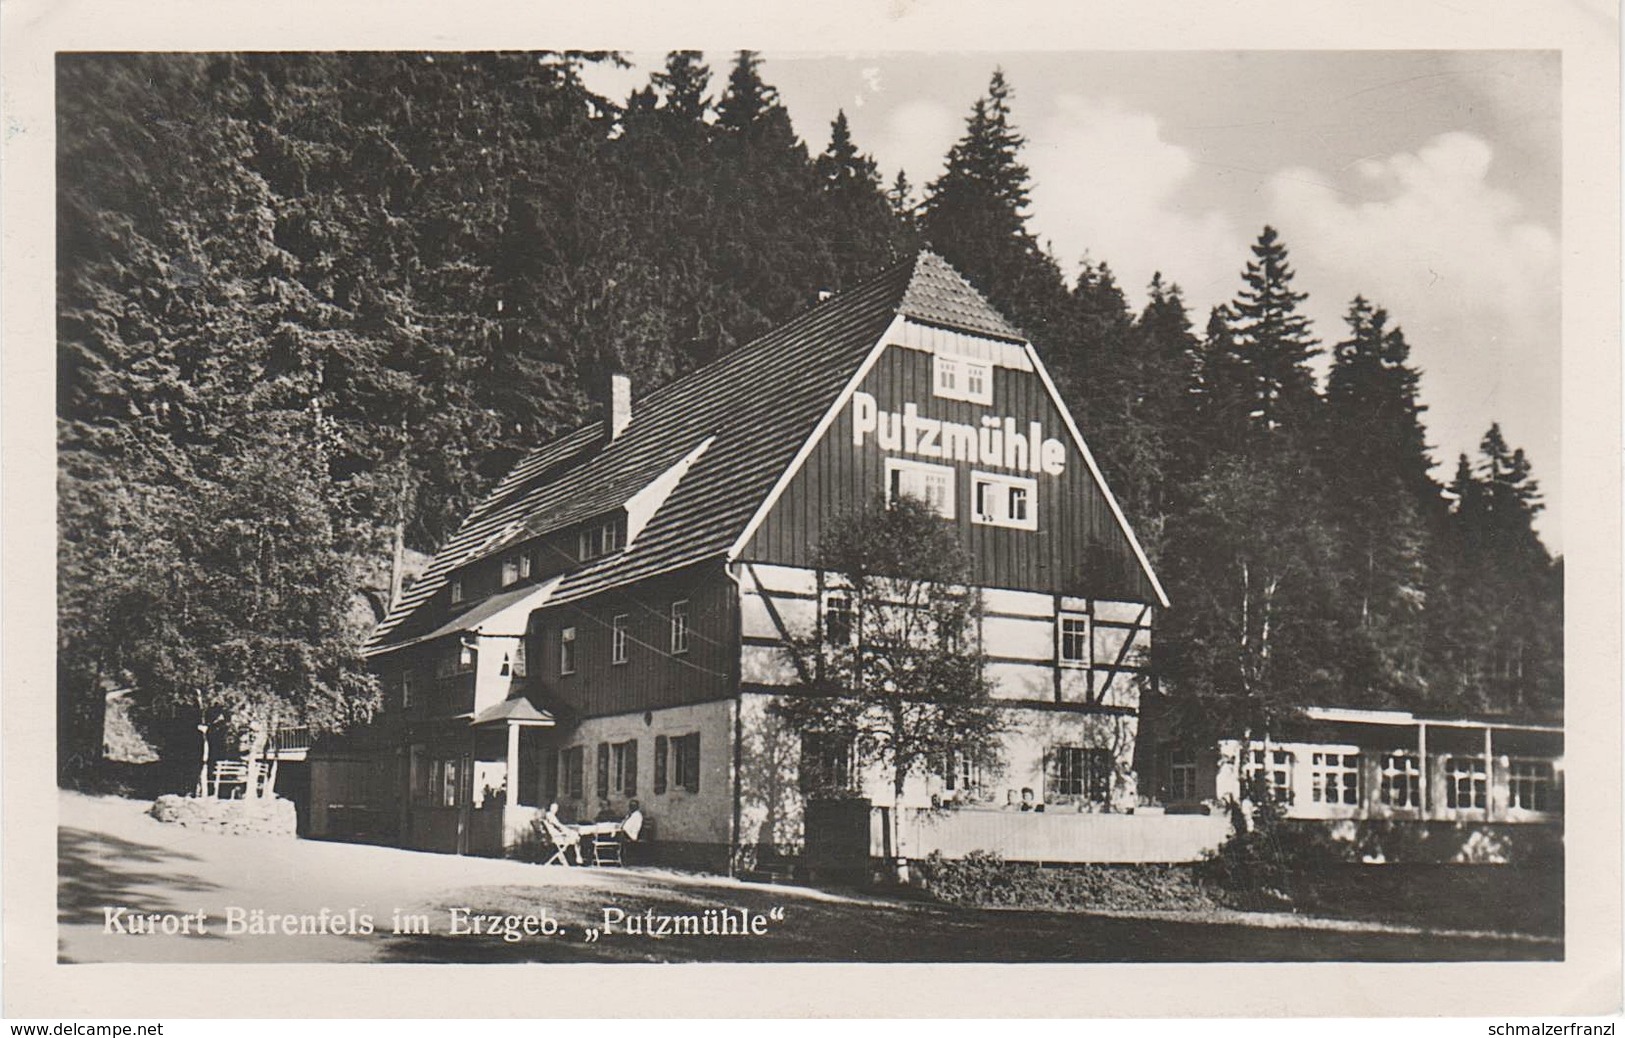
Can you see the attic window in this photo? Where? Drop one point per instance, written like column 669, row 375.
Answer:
column 456, row 591
column 601, row 539
column 960, row 378
column 510, row 570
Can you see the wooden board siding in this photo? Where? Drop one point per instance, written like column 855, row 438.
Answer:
column 1077, row 549
column 652, row 677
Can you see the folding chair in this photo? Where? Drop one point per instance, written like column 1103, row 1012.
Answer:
column 606, row 845
column 563, row 838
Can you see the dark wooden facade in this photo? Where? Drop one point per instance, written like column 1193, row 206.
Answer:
column 1078, row 548
column 652, row 677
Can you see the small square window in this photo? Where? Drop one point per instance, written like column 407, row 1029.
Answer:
column 960, row 378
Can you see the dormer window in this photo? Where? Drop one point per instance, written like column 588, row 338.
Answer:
column 960, row 378
column 456, row 591
column 510, row 570
column 598, row 540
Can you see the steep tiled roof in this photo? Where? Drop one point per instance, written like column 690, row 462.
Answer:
column 938, row 294
column 760, row 402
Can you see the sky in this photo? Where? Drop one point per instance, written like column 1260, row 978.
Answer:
column 1427, row 181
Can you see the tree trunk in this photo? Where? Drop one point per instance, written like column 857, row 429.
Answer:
column 899, row 859
column 257, row 738
column 203, row 764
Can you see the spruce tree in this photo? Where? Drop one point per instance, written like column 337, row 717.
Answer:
column 1375, row 466
column 1274, row 340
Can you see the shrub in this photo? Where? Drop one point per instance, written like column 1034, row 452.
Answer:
column 1259, row 862
column 984, row 879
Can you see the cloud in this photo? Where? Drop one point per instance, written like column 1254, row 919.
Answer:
column 1105, row 182
column 917, row 137
column 1474, row 282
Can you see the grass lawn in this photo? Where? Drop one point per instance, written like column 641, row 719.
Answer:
column 111, row 854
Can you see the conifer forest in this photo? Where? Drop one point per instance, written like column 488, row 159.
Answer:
column 311, row 306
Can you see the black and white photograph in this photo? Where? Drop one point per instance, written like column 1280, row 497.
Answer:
column 813, row 506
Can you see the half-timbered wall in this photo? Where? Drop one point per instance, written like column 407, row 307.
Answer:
column 1020, row 633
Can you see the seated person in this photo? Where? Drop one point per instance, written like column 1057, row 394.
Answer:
column 566, row 837
column 633, row 823
column 1028, row 801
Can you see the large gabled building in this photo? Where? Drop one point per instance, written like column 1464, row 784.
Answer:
column 610, row 623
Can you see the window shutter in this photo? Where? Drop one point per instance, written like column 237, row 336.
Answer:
column 603, row 770
column 660, row 763
column 632, row 768
column 691, row 763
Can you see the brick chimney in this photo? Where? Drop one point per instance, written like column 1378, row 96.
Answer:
column 620, row 405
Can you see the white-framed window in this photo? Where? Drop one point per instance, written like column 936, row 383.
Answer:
column 525, row 562
column 1531, row 784
column 960, row 378
column 1466, row 783
column 685, row 761
column 1276, row 768
column 1072, row 640
column 456, row 591
column 617, row 638
column 567, row 651
column 510, row 570
column 1334, row 777
column 838, row 626
column 1010, row 501
column 933, row 484
column 1181, row 776
column 609, row 537
column 1080, row 771
column 962, row 774
column 586, row 540
column 624, row 768
column 1402, row 779
column 679, row 626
